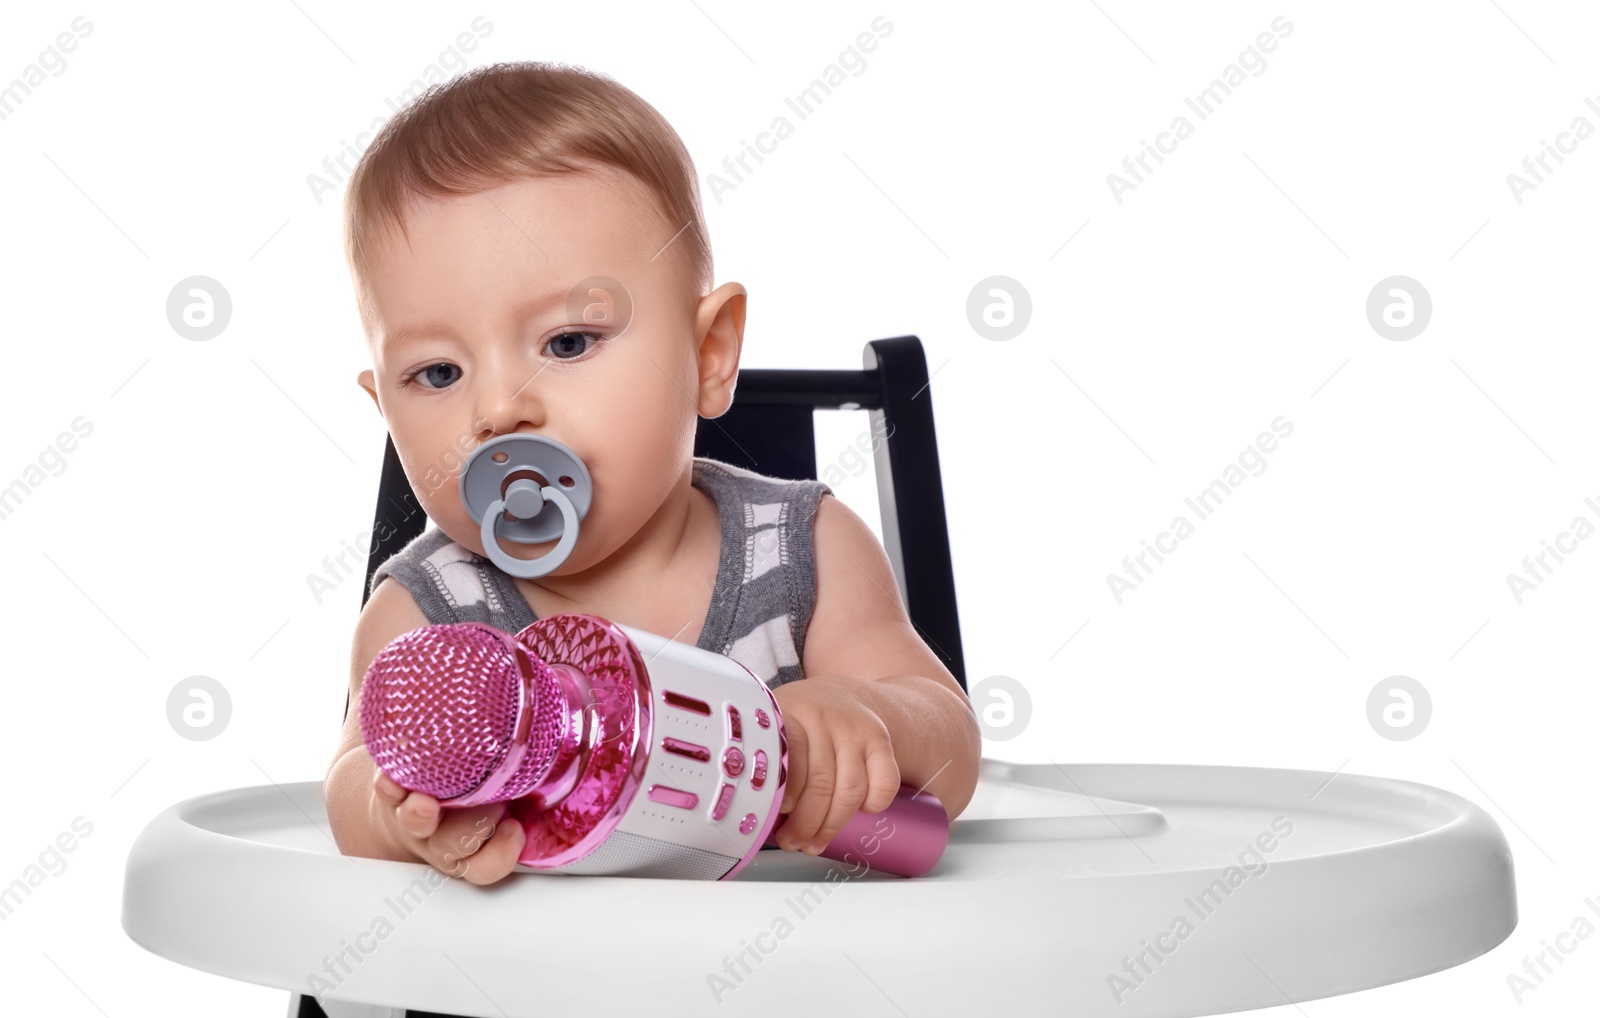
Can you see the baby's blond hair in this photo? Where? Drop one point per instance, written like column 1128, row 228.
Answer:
column 511, row 121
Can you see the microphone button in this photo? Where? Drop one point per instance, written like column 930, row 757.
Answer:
column 724, row 800
column 670, row 796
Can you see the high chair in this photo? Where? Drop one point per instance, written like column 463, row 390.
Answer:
column 1087, row 889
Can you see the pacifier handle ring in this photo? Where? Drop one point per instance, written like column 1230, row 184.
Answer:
column 528, row 569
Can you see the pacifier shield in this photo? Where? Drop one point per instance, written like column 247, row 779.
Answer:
column 526, row 489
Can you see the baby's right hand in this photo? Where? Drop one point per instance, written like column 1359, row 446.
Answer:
column 470, row 842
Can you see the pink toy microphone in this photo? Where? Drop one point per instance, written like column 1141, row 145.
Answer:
column 622, row 753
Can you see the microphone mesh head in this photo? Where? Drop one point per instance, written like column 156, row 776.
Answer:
column 439, row 710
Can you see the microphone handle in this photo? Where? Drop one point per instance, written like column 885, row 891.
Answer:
column 906, row 838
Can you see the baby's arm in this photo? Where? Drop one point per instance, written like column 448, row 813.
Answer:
column 860, row 636
column 375, row 818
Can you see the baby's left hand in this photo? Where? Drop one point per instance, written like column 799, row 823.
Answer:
column 840, row 760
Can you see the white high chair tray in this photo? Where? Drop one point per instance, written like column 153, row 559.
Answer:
column 1085, row 889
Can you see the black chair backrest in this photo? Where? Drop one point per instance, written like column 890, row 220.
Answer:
column 770, row 429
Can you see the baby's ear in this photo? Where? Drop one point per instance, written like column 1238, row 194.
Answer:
column 720, row 321
column 366, row 381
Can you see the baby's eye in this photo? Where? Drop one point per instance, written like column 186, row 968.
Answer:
column 431, row 371
column 564, row 350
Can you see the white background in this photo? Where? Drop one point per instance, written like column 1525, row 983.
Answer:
column 1229, row 288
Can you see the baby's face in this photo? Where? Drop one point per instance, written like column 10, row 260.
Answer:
column 476, row 332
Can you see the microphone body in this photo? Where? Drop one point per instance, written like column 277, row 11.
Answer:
column 622, row 753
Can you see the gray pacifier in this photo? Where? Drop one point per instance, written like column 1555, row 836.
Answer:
column 527, row 489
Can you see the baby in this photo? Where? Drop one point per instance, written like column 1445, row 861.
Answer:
column 529, row 256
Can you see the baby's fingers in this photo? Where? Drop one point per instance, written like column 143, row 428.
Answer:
column 883, row 773
column 811, row 805
column 387, row 788
column 850, row 788
column 498, row 856
column 419, row 814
